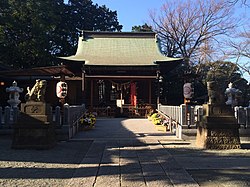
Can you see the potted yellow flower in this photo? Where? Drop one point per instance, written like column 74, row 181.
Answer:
column 87, row 121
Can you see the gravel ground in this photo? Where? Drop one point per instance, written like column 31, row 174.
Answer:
column 53, row 167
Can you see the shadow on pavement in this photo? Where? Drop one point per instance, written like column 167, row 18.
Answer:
column 119, row 152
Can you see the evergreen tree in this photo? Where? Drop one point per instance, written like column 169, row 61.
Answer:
column 142, row 28
column 34, row 32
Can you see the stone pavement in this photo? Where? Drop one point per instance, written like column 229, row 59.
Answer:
column 124, row 152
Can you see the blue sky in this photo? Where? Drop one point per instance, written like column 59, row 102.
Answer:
column 131, row 12
column 136, row 12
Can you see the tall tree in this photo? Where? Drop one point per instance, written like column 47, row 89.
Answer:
column 25, row 30
column 142, row 28
column 186, row 28
column 83, row 15
column 33, row 32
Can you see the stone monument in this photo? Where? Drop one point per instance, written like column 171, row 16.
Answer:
column 218, row 128
column 34, row 128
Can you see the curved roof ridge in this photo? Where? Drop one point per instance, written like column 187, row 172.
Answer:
column 119, row 48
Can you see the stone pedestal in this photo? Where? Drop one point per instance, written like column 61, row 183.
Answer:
column 218, row 128
column 34, row 129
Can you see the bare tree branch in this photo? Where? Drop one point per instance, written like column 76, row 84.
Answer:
column 241, row 49
column 243, row 2
column 186, row 27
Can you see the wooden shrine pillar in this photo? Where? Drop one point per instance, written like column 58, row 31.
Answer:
column 149, row 91
column 83, row 81
column 91, row 94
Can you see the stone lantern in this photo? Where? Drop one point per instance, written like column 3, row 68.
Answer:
column 232, row 95
column 14, row 95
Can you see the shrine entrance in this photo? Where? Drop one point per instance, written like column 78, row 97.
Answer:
column 120, row 97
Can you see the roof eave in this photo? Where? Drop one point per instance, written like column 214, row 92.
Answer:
column 72, row 58
column 168, row 60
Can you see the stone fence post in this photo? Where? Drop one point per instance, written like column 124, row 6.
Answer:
column 66, row 114
column 7, row 115
column 58, row 116
column 183, row 119
column 242, row 115
column 15, row 114
column 248, row 117
column 66, row 120
column 1, row 115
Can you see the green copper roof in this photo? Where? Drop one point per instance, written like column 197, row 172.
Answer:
column 119, row 49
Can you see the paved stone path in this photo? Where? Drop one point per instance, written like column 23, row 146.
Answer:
column 129, row 153
column 124, row 152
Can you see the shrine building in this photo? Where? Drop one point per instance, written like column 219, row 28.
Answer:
column 119, row 69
